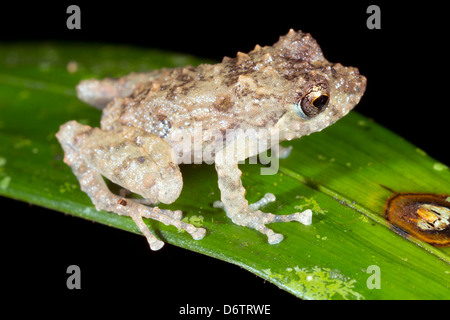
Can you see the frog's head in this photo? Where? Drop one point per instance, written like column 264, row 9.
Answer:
column 318, row 92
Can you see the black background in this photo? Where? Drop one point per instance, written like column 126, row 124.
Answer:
column 407, row 92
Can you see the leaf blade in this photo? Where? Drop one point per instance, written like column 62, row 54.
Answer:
column 324, row 261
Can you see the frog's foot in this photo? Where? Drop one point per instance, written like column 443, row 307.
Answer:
column 177, row 214
column 164, row 216
column 256, row 219
column 137, row 211
column 93, row 184
column 103, row 199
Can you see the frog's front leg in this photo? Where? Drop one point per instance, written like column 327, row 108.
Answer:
column 143, row 166
column 237, row 208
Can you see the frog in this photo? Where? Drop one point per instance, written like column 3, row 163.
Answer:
column 279, row 93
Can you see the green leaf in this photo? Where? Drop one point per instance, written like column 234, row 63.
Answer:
column 345, row 174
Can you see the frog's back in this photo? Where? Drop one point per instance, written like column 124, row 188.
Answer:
column 249, row 90
column 253, row 90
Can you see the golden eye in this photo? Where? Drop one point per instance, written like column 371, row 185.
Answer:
column 314, row 101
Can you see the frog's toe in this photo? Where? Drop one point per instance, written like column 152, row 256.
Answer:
column 218, row 204
column 156, row 245
column 268, row 198
column 198, row 234
column 275, row 238
column 272, row 237
column 304, row 217
column 177, row 214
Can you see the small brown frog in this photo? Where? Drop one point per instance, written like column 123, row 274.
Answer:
column 272, row 94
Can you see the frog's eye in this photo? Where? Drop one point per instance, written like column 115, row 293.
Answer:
column 314, row 101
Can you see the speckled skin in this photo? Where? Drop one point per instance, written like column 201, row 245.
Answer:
column 274, row 88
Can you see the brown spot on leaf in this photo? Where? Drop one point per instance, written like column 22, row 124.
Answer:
column 423, row 216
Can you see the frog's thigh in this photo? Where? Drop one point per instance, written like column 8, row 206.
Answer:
column 146, row 169
column 72, row 137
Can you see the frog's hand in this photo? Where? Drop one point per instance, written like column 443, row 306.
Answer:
column 237, row 207
column 99, row 93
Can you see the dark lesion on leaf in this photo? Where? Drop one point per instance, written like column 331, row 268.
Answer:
column 421, row 215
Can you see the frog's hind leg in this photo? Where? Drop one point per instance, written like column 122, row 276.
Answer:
column 92, row 153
